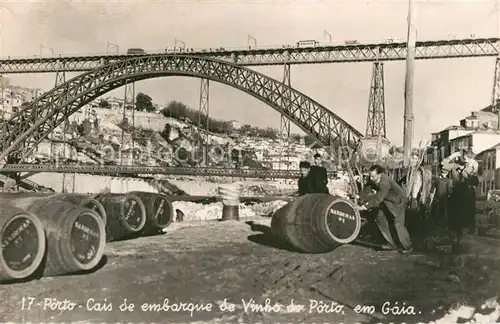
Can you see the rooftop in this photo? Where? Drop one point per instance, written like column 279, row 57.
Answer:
column 486, row 131
column 496, row 146
column 485, row 117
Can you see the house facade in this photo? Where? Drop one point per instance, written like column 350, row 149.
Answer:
column 489, row 170
column 478, row 141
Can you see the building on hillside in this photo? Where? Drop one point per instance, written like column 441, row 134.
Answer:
column 35, row 93
column 484, row 119
column 441, row 141
column 14, row 100
column 478, row 140
column 489, row 170
column 115, row 103
column 283, row 165
column 471, row 121
column 5, row 109
column 235, row 124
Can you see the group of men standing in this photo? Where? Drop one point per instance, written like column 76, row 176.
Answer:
column 454, row 205
column 386, row 201
column 455, row 197
column 382, row 194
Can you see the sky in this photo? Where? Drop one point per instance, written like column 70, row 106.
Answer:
column 445, row 91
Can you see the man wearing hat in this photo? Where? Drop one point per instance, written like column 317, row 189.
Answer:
column 463, row 171
column 469, row 175
column 442, row 197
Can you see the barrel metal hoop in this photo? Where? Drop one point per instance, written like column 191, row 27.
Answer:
column 41, row 240
column 101, row 243
column 142, row 209
column 356, row 230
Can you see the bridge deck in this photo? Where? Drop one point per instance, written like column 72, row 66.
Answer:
column 145, row 170
column 274, row 56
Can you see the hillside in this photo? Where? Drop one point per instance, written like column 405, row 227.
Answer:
column 166, row 135
column 171, row 138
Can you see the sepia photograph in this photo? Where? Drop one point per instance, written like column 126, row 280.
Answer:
column 240, row 161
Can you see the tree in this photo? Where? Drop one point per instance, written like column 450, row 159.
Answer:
column 309, row 140
column 178, row 110
column 104, row 104
column 144, row 102
column 175, row 110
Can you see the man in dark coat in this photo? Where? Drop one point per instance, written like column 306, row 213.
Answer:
column 304, row 180
column 308, row 181
column 441, row 203
column 463, row 198
column 391, row 200
column 319, row 176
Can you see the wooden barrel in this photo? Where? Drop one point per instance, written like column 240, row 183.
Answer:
column 77, row 199
column 75, row 235
column 317, row 223
column 86, row 202
column 126, row 215
column 159, row 211
column 23, row 243
column 230, row 194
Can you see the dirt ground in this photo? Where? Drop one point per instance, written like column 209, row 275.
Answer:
column 208, row 262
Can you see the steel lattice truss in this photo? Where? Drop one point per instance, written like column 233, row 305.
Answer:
column 277, row 56
column 495, row 98
column 34, row 122
column 375, row 124
column 144, row 170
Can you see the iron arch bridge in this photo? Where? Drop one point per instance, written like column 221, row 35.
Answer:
column 28, row 127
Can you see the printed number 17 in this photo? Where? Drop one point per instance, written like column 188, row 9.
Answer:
column 29, row 301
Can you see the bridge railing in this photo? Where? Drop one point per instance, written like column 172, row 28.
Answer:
column 134, row 170
column 393, row 42
column 152, row 170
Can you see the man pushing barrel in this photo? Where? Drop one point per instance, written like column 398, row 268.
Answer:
column 390, row 200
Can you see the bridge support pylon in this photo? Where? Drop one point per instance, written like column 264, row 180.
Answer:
column 68, row 179
column 495, row 97
column 128, row 120
column 2, row 98
column 375, row 123
column 204, row 116
column 375, row 145
column 285, row 123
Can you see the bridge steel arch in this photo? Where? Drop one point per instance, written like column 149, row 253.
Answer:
column 34, row 122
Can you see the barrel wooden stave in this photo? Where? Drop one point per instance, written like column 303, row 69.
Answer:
column 86, row 202
column 307, row 224
column 118, row 226
column 159, row 211
column 32, row 238
column 62, row 257
column 77, row 199
column 60, row 219
column 304, row 223
column 283, row 218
